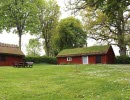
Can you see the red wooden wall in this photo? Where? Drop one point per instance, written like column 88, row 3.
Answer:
column 107, row 58
column 110, row 57
column 92, row 59
column 75, row 60
column 10, row 60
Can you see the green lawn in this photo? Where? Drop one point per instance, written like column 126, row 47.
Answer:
column 65, row 82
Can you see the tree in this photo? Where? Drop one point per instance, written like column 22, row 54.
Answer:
column 48, row 13
column 70, row 34
column 17, row 15
column 33, row 48
column 117, row 15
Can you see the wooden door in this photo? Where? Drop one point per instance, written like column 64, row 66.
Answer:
column 85, row 59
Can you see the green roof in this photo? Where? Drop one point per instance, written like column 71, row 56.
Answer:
column 84, row 51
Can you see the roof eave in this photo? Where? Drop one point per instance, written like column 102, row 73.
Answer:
column 73, row 55
column 12, row 54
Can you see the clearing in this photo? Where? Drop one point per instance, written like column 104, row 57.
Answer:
column 65, row 82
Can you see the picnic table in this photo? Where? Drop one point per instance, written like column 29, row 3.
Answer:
column 23, row 65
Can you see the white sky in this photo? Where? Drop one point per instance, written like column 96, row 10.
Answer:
column 13, row 38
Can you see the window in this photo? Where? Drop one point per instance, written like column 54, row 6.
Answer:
column 2, row 58
column 98, row 59
column 69, row 58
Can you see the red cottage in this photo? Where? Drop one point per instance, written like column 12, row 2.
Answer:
column 90, row 55
column 10, row 54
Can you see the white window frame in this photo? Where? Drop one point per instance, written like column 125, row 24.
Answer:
column 69, row 58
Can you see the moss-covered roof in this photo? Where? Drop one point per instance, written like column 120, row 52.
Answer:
column 93, row 50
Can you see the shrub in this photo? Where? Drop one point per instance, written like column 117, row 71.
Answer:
column 123, row 60
column 41, row 59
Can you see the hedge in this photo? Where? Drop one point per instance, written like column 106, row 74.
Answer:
column 122, row 60
column 41, row 59
column 53, row 60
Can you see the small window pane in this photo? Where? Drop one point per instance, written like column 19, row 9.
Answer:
column 69, row 58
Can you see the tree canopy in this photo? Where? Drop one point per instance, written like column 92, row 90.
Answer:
column 70, row 34
column 33, row 48
column 16, row 15
column 48, row 16
column 109, row 21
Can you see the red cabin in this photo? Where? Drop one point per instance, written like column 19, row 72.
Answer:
column 10, row 54
column 89, row 55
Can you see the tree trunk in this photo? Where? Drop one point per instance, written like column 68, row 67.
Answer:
column 47, row 48
column 122, row 51
column 47, row 51
column 19, row 29
column 122, row 45
column 121, row 33
column 20, row 38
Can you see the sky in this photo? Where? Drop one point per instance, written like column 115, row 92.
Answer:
column 13, row 38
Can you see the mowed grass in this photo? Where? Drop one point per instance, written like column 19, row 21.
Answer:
column 65, row 82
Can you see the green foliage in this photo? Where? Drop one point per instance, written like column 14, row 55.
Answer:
column 33, row 48
column 17, row 16
column 70, row 34
column 110, row 7
column 123, row 60
column 109, row 20
column 98, row 28
column 48, row 16
column 41, row 59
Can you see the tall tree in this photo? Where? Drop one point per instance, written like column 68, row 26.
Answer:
column 117, row 14
column 99, row 28
column 70, row 34
column 17, row 15
column 48, row 13
column 33, row 48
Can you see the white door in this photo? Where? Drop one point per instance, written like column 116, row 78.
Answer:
column 85, row 59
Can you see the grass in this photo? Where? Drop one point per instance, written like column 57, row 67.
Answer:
column 65, row 82
column 87, row 50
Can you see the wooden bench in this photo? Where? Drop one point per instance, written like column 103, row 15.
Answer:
column 23, row 65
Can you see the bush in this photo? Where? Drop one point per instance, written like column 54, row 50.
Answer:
column 122, row 60
column 42, row 59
